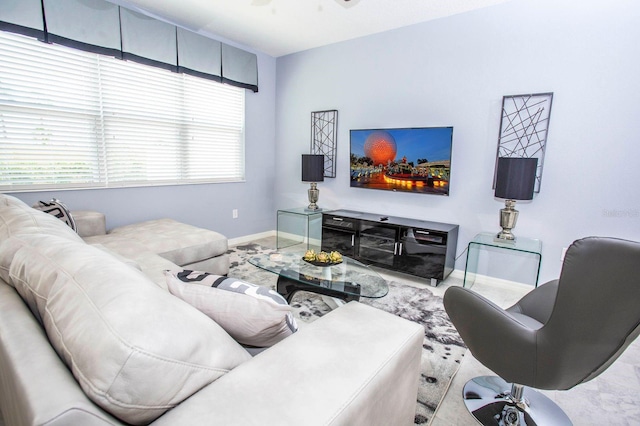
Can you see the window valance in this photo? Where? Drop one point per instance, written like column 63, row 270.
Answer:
column 102, row 27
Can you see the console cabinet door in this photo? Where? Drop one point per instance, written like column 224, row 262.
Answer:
column 339, row 234
column 378, row 243
column 422, row 252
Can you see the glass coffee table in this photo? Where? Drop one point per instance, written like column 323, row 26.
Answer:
column 347, row 281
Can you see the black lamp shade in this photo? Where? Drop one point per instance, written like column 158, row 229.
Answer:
column 516, row 178
column 312, row 167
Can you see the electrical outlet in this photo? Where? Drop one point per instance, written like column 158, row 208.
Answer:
column 234, row 213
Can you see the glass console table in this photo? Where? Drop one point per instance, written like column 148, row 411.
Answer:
column 485, row 240
column 297, row 226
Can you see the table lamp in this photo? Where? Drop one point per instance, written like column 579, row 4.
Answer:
column 313, row 171
column 515, row 180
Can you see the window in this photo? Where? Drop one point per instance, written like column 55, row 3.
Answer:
column 72, row 119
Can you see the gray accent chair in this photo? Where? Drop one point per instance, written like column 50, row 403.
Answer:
column 561, row 334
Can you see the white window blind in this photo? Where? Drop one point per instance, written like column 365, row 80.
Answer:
column 72, row 119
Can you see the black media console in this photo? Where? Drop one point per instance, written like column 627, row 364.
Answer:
column 416, row 247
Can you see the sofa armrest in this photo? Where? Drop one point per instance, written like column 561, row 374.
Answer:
column 89, row 223
column 356, row 365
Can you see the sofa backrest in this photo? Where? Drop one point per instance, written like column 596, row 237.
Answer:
column 17, row 218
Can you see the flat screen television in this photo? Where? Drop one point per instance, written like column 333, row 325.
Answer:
column 408, row 159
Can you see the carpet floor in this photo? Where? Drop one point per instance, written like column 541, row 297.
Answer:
column 443, row 348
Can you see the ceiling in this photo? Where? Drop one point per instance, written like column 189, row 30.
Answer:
column 281, row 27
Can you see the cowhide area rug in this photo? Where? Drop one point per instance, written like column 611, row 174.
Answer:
column 443, row 348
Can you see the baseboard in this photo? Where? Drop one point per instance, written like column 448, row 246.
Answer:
column 303, row 239
column 249, row 238
column 488, row 280
column 313, row 242
column 457, row 273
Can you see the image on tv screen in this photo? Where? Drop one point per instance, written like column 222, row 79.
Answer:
column 409, row 159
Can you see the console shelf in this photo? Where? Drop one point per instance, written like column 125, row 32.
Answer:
column 417, row 247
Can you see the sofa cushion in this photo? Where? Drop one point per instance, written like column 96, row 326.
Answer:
column 251, row 314
column 136, row 350
column 89, row 222
column 218, row 265
column 137, row 254
column 178, row 242
column 17, row 218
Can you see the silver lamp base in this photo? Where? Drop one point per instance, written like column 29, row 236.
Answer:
column 508, row 219
column 492, row 401
column 314, row 194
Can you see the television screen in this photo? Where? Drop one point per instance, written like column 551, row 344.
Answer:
column 409, row 160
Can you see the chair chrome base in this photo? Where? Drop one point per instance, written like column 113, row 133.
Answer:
column 492, row 401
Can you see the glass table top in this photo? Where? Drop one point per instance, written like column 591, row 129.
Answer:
column 301, row 211
column 344, row 277
column 520, row 244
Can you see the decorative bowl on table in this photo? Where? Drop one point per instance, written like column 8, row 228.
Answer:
column 323, row 258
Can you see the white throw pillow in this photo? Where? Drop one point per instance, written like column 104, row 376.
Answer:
column 251, row 314
column 136, row 350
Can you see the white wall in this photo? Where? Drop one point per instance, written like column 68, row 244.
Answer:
column 206, row 205
column 455, row 71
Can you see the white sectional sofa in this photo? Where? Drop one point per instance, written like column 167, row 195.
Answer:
column 89, row 335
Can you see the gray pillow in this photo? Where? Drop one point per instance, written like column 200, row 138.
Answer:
column 251, row 314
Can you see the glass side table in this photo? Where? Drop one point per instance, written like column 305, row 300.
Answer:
column 298, row 226
column 485, row 240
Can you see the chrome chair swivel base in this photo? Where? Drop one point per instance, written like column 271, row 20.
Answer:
column 492, row 401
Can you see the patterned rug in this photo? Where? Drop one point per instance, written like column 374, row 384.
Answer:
column 443, row 348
